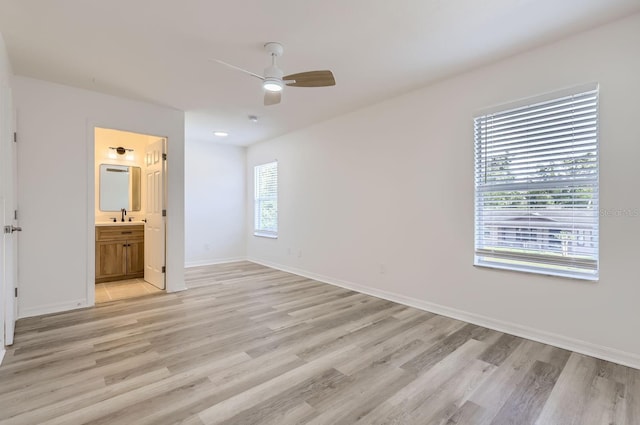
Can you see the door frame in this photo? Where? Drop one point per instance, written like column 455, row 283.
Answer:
column 3, row 290
column 9, row 175
column 91, row 187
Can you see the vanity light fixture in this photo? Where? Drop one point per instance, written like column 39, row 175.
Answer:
column 220, row 133
column 120, row 151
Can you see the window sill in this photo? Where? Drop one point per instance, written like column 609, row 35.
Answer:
column 265, row 235
column 539, row 271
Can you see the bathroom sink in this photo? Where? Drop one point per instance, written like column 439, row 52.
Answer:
column 119, row 223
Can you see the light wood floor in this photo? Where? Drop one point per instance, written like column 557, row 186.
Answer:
column 252, row 345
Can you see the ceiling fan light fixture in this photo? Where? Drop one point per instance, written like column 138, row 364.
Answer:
column 272, row 85
column 274, row 80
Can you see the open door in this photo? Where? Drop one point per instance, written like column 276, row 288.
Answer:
column 9, row 214
column 154, row 229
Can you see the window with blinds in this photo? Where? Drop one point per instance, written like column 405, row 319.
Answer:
column 536, row 187
column 266, row 200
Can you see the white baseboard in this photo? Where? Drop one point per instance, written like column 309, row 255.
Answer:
column 560, row 341
column 200, row 263
column 52, row 308
column 2, row 353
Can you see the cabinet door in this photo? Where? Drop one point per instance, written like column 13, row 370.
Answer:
column 135, row 257
column 110, row 260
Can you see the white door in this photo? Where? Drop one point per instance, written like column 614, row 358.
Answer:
column 154, row 229
column 10, row 223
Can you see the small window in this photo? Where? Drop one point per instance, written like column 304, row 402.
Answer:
column 536, row 186
column 266, row 200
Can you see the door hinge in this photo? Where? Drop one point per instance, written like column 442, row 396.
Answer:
column 164, row 269
column 164, row 213
column 15, row 291
column 15, row 214
column 164, row 156
column 15, row 137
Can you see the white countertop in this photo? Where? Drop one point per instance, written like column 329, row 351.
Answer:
column 120, row 223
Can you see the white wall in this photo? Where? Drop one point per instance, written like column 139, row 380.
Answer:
column 215, row 203
column 56, row 172
column 5, row 119
column 381, row 199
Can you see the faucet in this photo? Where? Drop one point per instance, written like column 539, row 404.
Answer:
column 124, row 212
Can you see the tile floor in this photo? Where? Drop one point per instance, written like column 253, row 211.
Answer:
column 121, row 289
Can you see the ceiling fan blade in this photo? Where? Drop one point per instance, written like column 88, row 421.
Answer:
column 311, row 79
column 239, row 69
column 272, row 97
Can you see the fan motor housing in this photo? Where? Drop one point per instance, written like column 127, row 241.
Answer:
column 274, row 48
column 273, row 72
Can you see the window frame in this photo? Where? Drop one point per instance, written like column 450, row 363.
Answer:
column 531, row 262
column 259, row 200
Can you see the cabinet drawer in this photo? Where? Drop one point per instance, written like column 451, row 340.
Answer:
column 110, row 233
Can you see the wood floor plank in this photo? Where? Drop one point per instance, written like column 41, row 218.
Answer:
column 495, row 392
column 603, row 402
column 228, row 408
column 247, row 344
column 499, row 351
column 442, row 349
column 417, row 336
column 87, row 401
column 398, row 407
column 142, row 395
column 43, row 395
column 441, row 405
column 277, row 406
column 528, row 399
column 469, row 413
column 223, row 385
column 570, row 395
column 632, row 397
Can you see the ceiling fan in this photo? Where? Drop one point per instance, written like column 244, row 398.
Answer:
column 274, row 80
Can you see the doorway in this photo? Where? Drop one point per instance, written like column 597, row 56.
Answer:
column 130, row 214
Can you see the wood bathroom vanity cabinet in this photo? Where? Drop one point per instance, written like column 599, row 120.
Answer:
column 119, row 252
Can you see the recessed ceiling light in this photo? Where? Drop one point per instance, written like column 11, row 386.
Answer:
column 221, row 133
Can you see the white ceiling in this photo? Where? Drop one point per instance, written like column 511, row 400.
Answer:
column 159, row 50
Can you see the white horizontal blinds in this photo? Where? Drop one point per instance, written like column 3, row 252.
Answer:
column 536, row 181
column 266, row 199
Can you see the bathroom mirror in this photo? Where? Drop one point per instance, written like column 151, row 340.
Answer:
column 119, row 187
